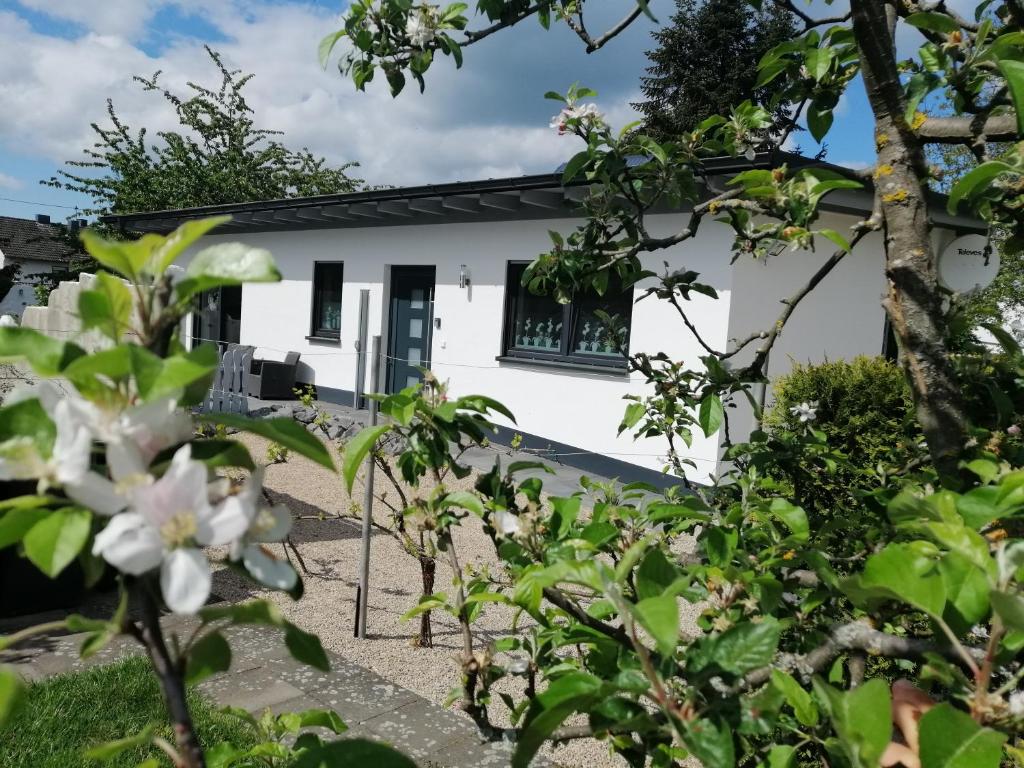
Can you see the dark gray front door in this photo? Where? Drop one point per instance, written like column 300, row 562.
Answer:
column 411, row 313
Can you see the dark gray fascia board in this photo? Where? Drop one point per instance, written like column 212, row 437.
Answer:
column 429, row 201
column 515, row 183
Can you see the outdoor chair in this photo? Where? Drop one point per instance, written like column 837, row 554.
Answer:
column 273, row 380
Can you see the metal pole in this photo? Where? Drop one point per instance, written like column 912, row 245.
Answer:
column 364, row 317
column 364, row 561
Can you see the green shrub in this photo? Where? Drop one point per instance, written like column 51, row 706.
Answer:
column 865, row 411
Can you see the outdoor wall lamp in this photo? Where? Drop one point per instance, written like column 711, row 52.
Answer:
column 463, row 276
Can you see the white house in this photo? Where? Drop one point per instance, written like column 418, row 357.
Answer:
column 441, row 264
column 35, row 245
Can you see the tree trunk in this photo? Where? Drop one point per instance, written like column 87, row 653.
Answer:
column 427, row 568
column 913, row 303
column 171, row 677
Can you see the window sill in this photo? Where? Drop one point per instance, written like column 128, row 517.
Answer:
column 614, row 371
column 324, row 339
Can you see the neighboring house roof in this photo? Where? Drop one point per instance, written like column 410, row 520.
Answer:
column 539, row 196
column 30, row 240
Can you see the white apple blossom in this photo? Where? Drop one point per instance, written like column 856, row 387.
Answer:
column 805, row 411
column 1016, row 702
column 421, row 27
column 266, row 524
column 587, row 116
column 68, row 462
column 505, row 523
column 164, row 526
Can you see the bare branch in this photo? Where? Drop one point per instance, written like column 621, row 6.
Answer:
column 594, row 44
column 478, row 35
column 809, row 21
column 941, row 6
column 966, row 130
column 855, row 636
column 790, row 305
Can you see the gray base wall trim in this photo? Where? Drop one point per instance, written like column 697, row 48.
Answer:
column 334, row 396
column 587, row 461
column 583, row 460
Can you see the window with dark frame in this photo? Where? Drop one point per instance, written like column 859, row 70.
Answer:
column 327, row 283
column 539, row 328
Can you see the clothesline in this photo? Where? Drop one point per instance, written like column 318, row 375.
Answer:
column 410, row 361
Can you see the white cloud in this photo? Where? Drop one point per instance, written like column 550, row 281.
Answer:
column 487, row 120
column 9, row 182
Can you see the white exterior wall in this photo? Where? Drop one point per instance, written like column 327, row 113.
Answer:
column 842, row 318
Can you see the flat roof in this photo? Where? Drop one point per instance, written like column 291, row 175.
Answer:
column 537, row 196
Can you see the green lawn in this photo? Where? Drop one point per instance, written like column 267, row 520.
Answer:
column 62, row 716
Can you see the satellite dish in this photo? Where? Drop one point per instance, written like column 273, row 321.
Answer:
column 968, row 264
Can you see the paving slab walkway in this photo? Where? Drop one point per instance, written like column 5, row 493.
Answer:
column 264, row 676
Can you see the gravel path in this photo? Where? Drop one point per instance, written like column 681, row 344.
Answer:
column 330, row 546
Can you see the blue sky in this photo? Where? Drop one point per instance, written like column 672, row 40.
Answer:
column 61, row 59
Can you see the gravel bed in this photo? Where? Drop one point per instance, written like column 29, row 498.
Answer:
column 328, row 538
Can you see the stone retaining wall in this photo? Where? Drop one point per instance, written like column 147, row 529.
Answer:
column 60, row 318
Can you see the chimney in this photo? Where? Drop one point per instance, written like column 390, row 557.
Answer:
column 42, row 218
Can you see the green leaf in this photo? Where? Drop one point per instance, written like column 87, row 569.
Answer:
column 322, row 718
column 15, row 523
column 484, row 404
column 54, row 542
column 905, row 573
column 465, row 499
column 710, row 413
column 792, row 516
column 215, row 454
column 634, row 412
column 798, row 698
column 227, row 264
column 327, row 45
column 261, row 612
column 818, row 61
column 111, row 749
column 933, row 22
column 351, row 753
column 745, row 647
column 356, row 450
column 564, row 512
column 862, row 719
column 107, row 307
column 11, row 692
column 655, row 574
column 660, row 617
column 210, row 655
column 1013, row 71
column 565, row 695
column 576, row 164
column 967, row 591
column 951, row 739
column 47, row 356
column 286, row 432
column 126, row 258
column 179, row 240
column 836, row 238
column 975, row 179
column 158, row 377
column 781, row 756
column 819, row 120
column 711, row 742
column 1010, row 608
column 306, row 647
